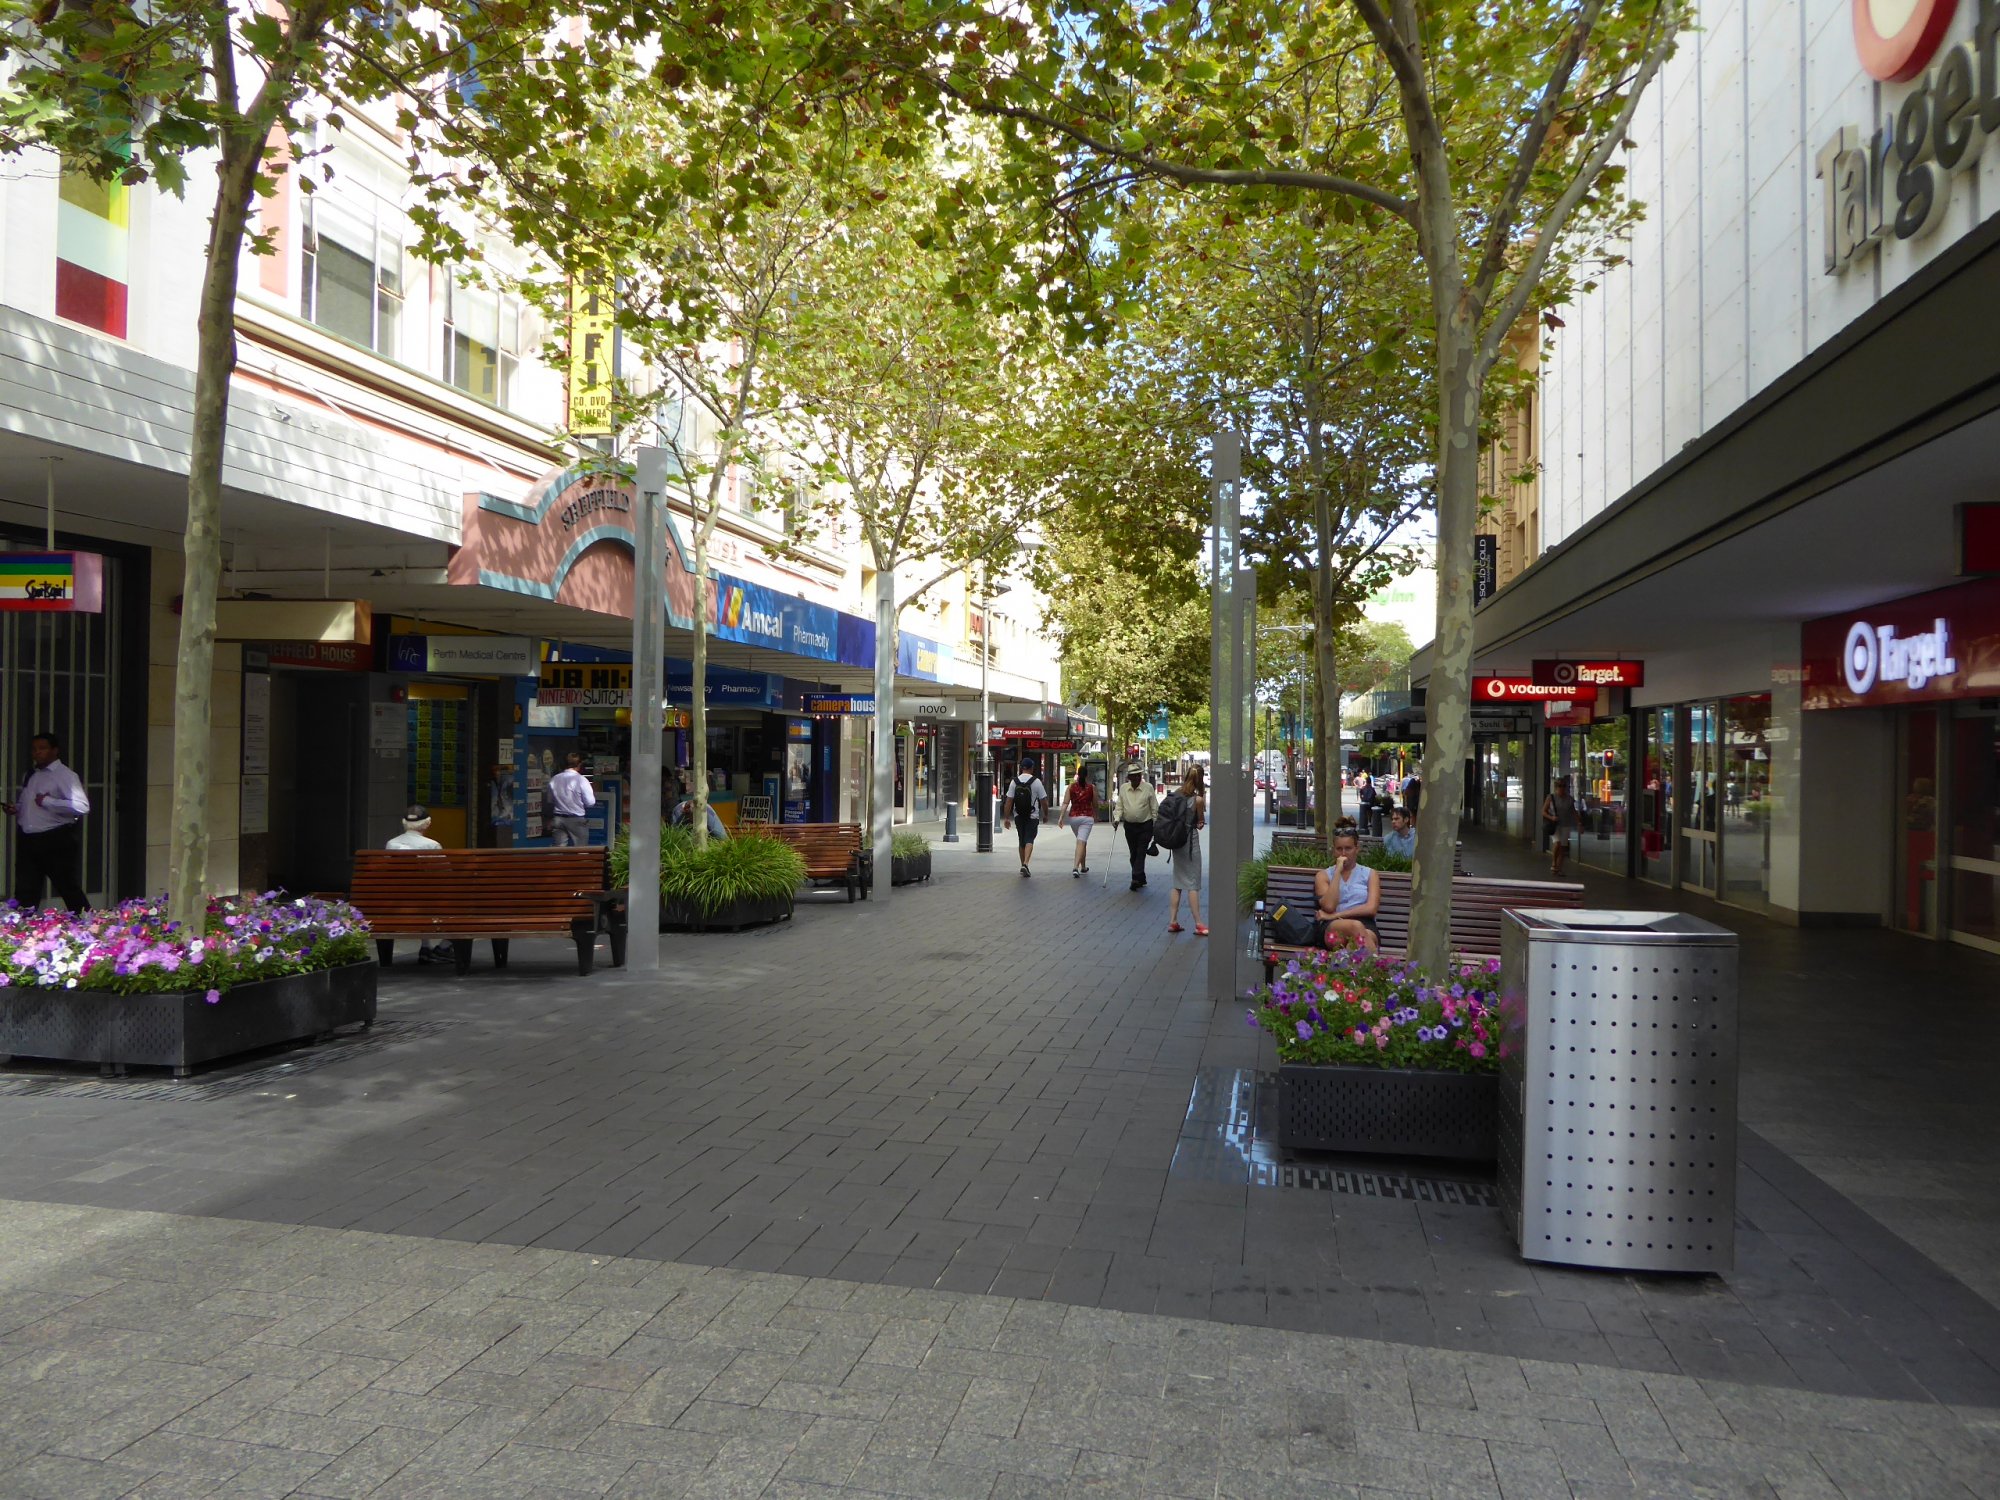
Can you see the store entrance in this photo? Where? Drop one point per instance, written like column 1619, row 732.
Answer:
column 1974, row 900
column 1917, row 823
column 1700, row 754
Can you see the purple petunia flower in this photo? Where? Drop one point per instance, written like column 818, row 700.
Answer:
column 1305, row 1032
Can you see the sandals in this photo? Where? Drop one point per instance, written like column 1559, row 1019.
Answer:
column 1175, row 927
column 1199, row 930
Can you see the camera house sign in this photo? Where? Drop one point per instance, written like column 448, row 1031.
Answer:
column 1896, row 179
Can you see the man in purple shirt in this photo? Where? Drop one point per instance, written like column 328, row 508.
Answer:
column 48, row 839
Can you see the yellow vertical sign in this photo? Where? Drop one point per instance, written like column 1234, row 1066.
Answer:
column 589, row 358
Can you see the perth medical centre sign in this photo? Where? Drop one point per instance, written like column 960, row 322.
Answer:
column 1893, row 177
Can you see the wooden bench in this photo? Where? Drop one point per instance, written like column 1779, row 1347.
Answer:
column 836, row 856
column 464, row 895
column 1476, row 904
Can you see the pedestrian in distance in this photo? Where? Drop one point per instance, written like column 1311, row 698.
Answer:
column 1413, row 792
column 1026, row 802
column 1559, row 818
column 1182, row 817
column 48, row 818
column 1365, row 794
column 1133, row 810
column 1080, row 808
column 1401, row 839
column 572, row 798
column 416, row 835
column 1348, row 895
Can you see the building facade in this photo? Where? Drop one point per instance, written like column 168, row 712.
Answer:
column 395, row 442
column 1760, row 631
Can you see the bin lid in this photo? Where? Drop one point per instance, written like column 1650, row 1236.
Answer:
column 1586, row 925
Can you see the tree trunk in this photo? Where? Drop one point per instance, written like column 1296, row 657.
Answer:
column 201, row 549
column 1447, row 699
column 1326, row 745
column 698, row 695
column 882, row 801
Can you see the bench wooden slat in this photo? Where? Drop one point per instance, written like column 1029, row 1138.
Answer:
column 835, row 853
column 490, row 894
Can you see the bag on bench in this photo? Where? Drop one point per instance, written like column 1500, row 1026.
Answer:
column 1297, row 929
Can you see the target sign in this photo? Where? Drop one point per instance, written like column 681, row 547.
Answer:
column 1896, row 39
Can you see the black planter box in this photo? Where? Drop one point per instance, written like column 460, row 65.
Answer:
column 1388, row 1111
column 909, row 869
column 181, row 1030
column 679, row 916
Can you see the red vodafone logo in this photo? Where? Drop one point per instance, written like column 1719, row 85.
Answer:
column 1897, row 38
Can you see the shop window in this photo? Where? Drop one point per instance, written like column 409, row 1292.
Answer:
column 1603, row 776
column 1975, row 830
column 92, row 240
column 352, row 270
column 482, row 342
column 1747, row 806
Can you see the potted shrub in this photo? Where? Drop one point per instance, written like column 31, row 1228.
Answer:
column 1375, row 1057
column 909, row 859
column 126, row 987
column 731, row 884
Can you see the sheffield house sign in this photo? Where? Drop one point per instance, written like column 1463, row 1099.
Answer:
column 1897, row 178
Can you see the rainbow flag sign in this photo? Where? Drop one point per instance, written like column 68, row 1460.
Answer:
column 52, row 582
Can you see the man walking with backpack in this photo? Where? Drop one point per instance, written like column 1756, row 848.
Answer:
column 1022, row 811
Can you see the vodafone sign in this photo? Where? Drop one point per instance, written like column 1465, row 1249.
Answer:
column 1896, row 39
column 1518, row 690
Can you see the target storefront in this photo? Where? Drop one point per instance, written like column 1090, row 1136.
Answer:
column 1931, row 664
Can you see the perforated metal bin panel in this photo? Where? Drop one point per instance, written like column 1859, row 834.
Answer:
column 1618, row 1089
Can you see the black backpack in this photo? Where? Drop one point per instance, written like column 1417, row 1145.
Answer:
column 1174, row 823
column 1024, row 800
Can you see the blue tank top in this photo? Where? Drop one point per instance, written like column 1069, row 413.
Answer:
column 1353, row 891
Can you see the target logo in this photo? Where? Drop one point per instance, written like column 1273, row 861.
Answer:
column 1860, row 658
column 1896, row 39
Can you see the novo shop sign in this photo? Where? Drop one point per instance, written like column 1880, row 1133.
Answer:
column 1896, row 178
column 1932, row 647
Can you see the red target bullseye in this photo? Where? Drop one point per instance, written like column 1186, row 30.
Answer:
column 1897, row 38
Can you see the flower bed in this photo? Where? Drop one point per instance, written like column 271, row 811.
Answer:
column 1376, row 1057
column 125, row 986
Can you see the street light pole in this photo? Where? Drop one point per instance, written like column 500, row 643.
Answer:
column 983, row 782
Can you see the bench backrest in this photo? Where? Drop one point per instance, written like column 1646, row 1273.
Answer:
column 497, row 889
column 825, row 847
column 1476, row 904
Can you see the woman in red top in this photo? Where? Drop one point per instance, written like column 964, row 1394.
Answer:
column 1080, row 808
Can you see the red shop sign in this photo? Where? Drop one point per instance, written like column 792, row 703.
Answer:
column 1925, row 649
column 1588, row 674
column 1517, row 690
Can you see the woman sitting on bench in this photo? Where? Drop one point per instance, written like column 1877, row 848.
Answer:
column 1348, row 894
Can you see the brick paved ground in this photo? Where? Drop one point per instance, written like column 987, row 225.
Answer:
column 980, row 1087
column 148, row 1355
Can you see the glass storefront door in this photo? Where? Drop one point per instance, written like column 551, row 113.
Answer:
column 1601, row 795
column 1660, row 748
column 1974, row 829
column 1746, row 801
column 1917, row 821
column 1700, row 795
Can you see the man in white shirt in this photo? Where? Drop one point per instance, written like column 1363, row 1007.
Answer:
column 570, row 794
column 1023, row 808
column 416, row 834
column 48, row 844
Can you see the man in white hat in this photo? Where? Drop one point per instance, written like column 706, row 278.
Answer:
column 416, row 835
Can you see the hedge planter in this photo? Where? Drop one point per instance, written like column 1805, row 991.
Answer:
column 756, row 911
column 1388, row 1111
column 180, row 1029
column 909, row 869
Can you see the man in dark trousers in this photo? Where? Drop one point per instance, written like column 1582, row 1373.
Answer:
column 48, row 842
column 1135, row 807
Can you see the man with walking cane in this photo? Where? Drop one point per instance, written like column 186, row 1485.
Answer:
column 1135, row 807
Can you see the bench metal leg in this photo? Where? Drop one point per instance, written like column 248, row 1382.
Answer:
column 585, row 934
column 615, row 930
column 461, row 955
column 385, row 951
column 500, row 953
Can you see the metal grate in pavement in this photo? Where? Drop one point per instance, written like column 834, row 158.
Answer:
column 1229, row 1136
column 70, row 1083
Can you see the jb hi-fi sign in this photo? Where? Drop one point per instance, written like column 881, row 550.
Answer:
column 1893, row 177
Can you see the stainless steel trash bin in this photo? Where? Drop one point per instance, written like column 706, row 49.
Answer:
column 1618, row 1089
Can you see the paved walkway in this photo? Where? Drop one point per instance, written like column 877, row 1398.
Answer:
column 973, row 1095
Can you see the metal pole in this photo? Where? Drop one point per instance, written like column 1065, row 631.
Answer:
column 649, row 652
column 1232, row 681
column 983, row 784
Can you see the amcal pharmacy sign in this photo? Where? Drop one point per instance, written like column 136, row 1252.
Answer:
column 1928, row 648
column 1894, row 176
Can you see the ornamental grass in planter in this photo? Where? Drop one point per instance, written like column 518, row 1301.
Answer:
column 1376, row 1057
column 125, row 985
column 909, row 859
column 732, row 883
